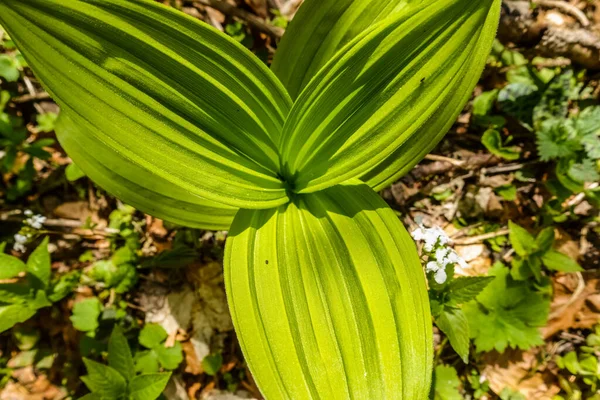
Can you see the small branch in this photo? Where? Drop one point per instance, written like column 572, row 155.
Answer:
column 27, row 98
column 566, row 8
column 480, row 238
column 434, row 157
column 251, row 19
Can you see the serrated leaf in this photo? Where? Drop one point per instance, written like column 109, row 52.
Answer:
column 165, row 92
column 152, row 335
column 318, row 30
column 374, row 98
column 86, row 313
column 557, row 138
column 507, row 313
column 119, row 354
column 446, row 384
column 522, row 241
column 454, row 324
column 10, row 266
column 149, row 386
column 585, row 171
column 38, row 264
column 103, row 380
column 342, row 260
column 557, row 261
column 463, row 289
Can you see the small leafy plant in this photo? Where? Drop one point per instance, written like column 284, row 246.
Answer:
column 117, row 380
column 26, row 287
column 507, row 313
column 179, row 120
column 533, row 252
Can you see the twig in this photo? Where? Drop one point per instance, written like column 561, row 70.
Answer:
column 434, row 157
column 565, row 7
column 578, row 290
column 251, row 19
column 481, row 238
column 26, row 98
column 575, row 200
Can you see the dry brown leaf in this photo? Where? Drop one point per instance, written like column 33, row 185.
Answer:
column 575, row 304
column 519, row 371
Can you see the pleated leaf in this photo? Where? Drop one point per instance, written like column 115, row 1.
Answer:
column 319, row 29
column 402, row 79
column 135, row 185
column 165, row 92
column 328, row 299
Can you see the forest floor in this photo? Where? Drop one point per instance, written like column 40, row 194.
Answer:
column 524, row 153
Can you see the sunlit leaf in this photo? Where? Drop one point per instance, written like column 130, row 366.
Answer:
column 328, row 298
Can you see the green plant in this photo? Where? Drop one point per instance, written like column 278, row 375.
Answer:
column 507, row 313
column 117, row 380
column 584, row 368
column 533, row 252
column 26, row 288
column 157, row 355
column 446, row 384
column 179, row 120
column 446, row 292
column 18, row 154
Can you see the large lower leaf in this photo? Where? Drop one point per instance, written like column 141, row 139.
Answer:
column 401, row 79
column 318, row 30
column 135, row 185
column 165, row 92
column 328, row 298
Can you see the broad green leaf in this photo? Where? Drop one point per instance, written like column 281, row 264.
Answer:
column 557, row 261
column 466, row 288
column 119, row 354
column 38, row 264
column 146, row 362
column 86, row 313
column 138, row 186
column 103, row 380
column 148, row 387
column 446, row 384
column 169, row 357
column 522, row 241
column 319, row 29
column 455, row 326
column 12, row 314
column 73, row 172
column 492, row 141
column 212, row 363
column 328, row 298
column 10, row 266
column 164, row 91
column 384, row 101
column 152, row 335
column 507, row 313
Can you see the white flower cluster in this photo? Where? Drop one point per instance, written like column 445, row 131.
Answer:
column 20, row 241
column 440, row 256
column 34, row 221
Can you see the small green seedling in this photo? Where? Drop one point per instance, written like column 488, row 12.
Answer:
column 118, row 380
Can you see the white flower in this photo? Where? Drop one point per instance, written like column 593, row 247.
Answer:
column 440, row 276
column 431, row 236
column 35, row 221
column 20, row 241
column 456, row 259
column 29, row 213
